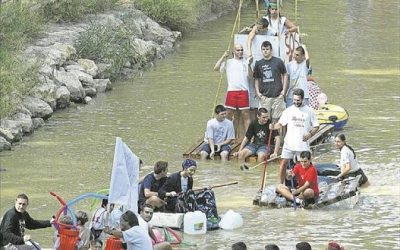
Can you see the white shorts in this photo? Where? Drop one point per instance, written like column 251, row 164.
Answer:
column 289, row 154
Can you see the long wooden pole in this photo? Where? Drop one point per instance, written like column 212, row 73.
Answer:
column 266, row 162
column 220, row 185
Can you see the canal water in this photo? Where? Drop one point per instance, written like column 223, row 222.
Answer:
column 354, row 49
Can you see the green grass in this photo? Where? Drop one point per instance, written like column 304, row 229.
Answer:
column 108, row 44
column 181, row 15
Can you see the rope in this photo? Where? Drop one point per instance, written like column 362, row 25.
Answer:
column 257, row 10
column 236, row 23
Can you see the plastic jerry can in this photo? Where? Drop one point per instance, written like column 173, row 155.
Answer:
column 195, row 223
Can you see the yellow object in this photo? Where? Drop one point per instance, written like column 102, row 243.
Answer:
column 332, row 114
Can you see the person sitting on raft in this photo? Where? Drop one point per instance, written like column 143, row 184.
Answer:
column 256, row 138
column 177, row 183
column 148, row 191
column 307, row 191
column 220, row 133
column 348, row 162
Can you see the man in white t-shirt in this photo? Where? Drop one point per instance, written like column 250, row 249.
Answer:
column 238, row 74
column 146, row 213
column 297, row 70
column 134, row 235
column 219, row 135
column 302, row 124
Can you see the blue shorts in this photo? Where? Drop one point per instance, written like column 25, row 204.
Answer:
column 206, row 148
column 256, row 149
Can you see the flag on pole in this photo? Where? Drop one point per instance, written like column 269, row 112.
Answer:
column 124, row 177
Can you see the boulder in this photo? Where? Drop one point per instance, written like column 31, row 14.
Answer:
column 89, row 66
column 10, row 130
column 37, row 107
column 37, row 123
column 4, row 144
column 71, row 81
column 25, row 121
column 102, row 85
column 103, row 70
column 63, row 97
column 45, row 91
column 90, row 91
column 87, row 100
column 85, row 78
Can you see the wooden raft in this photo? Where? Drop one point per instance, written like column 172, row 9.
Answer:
column 329, row 194
column 325, row 130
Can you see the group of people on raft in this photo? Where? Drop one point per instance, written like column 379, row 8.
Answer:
column 284, row 105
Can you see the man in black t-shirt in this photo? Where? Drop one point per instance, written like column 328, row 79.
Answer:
column 256, row 139
column 148, row 190
column 271, row 82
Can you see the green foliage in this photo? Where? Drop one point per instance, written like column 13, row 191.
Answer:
column 73, row 10
column 181, row 15
column 176, row 14
column 17, row 78
column 19, row 23
column 108, row 44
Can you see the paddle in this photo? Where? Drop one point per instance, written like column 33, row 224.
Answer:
column 211, row 187
column 34, row 244
column 293, row 187
column 266, row 161
column 244, row 167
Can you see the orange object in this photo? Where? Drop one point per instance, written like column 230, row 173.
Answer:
column 68, row 238
column 113, row 243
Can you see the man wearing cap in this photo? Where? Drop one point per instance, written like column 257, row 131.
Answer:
column 278, row 24
column 219, row 135
column 177, row 183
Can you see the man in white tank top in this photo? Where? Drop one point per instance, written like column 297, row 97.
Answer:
column 238, row 72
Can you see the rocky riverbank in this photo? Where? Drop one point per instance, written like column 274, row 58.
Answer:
column 65, row 80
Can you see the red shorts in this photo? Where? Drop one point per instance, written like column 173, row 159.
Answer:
column 238, row 99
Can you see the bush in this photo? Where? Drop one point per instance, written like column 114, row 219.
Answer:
column 19, row 24
column 108, row 44
column 176, row 14
column 183, row 15
column 17, row 78
column 73, row 10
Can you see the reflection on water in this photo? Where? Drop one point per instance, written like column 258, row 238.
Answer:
column 354, row 49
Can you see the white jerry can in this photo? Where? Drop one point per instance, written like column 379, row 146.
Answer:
column 195, row 223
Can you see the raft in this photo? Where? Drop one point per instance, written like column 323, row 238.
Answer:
column 331, row 191
column 332, row 114
column 324, row 133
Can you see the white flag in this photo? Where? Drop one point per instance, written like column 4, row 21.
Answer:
column 124, row 177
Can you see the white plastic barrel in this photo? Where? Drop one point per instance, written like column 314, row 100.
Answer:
column 195, row 223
